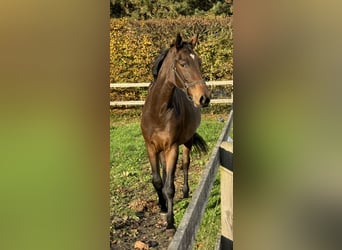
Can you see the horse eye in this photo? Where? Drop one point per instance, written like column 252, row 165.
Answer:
column 182, row 64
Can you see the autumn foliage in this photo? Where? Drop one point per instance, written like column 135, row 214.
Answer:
column 135, row 44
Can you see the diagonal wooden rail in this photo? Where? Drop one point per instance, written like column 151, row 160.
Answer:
column 187, row 229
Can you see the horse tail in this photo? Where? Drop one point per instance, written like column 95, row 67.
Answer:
column 199, row 144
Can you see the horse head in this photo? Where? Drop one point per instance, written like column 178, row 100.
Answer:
column 187, row 70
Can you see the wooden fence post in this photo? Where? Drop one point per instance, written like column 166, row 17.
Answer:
column 226, row 170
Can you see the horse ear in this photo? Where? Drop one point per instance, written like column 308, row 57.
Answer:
column 178, row 41
column 194, row 40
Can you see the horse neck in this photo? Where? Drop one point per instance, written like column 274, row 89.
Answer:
column 164, row 85
column 161, row 95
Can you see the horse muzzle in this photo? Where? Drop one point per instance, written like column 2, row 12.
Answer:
column 204, row 101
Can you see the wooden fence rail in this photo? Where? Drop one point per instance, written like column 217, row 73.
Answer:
column 187, row 229
column 146, row 84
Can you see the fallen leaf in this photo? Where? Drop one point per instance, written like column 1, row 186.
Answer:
column 141, row 245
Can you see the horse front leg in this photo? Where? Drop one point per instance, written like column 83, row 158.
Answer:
column 171, row 157
column 163, row 163
column 185, row 164
column 156, row 179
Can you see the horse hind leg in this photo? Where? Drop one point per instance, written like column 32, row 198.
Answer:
column 185, row 164
column 156, row 178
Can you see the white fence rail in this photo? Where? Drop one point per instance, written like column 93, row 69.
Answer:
column 146, row 84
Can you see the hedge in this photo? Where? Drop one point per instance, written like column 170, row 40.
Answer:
column 135, row 44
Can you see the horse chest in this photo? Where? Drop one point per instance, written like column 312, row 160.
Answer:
column 175, row 131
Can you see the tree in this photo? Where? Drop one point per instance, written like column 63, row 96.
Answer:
column 146, row 9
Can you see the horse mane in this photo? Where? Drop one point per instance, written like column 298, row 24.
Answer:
column 160, row 59
column 176, row 101
column 158, row 63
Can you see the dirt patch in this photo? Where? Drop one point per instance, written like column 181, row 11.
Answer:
column 148, row 226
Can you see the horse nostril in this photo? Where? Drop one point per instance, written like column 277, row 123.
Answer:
column 207, row 100
column 204, row 101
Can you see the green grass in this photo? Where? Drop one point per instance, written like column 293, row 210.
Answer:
column 210, row 130
column 130, row 171
column 127, row 147
column 127, row 174
column 210, row 227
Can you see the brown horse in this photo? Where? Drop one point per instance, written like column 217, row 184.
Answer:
column 170, row 117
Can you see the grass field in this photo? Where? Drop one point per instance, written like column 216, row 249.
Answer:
column 130, row 175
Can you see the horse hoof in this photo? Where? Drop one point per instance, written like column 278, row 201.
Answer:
column 170, row 232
